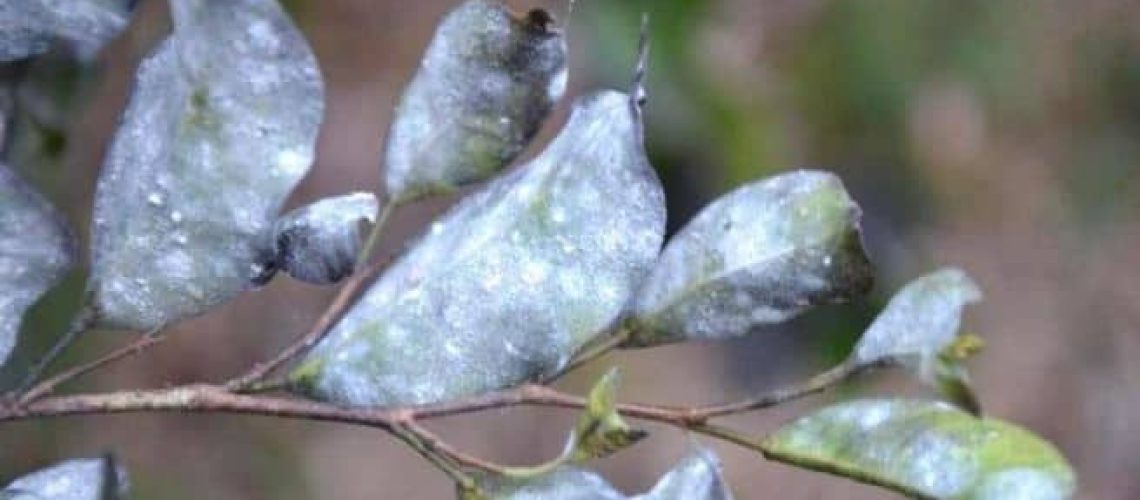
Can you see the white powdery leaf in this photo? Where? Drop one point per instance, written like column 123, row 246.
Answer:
column 511, row 282
column 759, row 255
column 925, row 447
column 36, row 250
column 318, row 243
column 564, row 483
column 28, row 27
column 697, row 477
column 921, row 319
column 81, row 479
column 487, row 82
column 221, row 126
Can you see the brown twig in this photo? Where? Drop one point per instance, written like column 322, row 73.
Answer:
column 82, row 321
column 818, row 383
column 335, row 309
column 46, row 387
column 592, row 352
column 306, row 341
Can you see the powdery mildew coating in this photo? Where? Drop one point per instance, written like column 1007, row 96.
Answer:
column 511, row 282
column 318, row 243
column 921, row 319
column 929, row 447
column 697, row 477
column 564, row 483
column 486, row 83
column 758, row 255
column 36, row 250
column 215, row 137
column 81, row 479
column 28, row 27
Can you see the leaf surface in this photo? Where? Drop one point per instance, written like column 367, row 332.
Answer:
column 920, row 323
column 318, row 243
column 759, row 255
column 28, row 27
column 36, row 250
column 925, row 448
column 215, row 137
column 510, row 283
column 80, row 479
column 487, row 82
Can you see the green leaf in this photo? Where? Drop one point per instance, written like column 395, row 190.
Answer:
column 214, row 139
column 757, row 256
column 487, row 82
column 920, row 328
column 28, row 27
column 36, row 250
column 925, row 449
column 82, row 479
column 601, row 431
column 510, row 283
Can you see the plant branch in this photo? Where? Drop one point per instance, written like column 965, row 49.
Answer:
column 592, row 352
column 306, row 341
column 82, row 321
column 382, row 216
column 818, row 383
column 48, row 386
column 404, row 423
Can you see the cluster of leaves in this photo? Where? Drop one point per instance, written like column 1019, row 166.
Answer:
column 517, row 281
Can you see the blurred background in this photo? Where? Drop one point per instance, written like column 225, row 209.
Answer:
column 1001, row 136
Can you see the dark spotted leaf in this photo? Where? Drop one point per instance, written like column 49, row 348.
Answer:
column 319, row 243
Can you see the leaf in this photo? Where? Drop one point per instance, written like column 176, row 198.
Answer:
column 918, row 325
column 487, row 82
column 36, row 250
column 925, row 449
column 600, row 430
column 81, row 479
column 318, row 243
column 511, row 282
column 567, row 482
column 697, row 477
column 215, row 137
column 760, row 255
column 28, row 27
